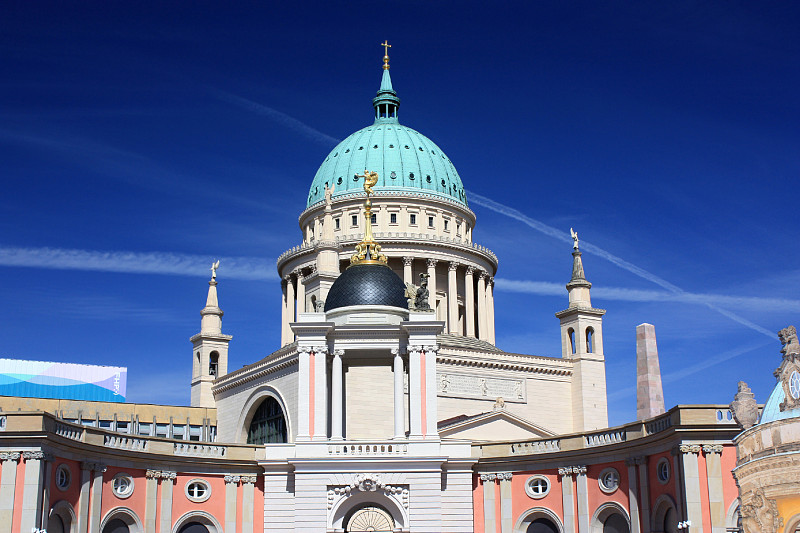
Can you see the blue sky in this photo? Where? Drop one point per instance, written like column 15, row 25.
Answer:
column 139, row 142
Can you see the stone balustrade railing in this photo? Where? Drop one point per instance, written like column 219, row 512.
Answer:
column 124, row 443
column 69, row 431
column 353, row 449
column 199, row 450
column 536, row 446
column 606, row 437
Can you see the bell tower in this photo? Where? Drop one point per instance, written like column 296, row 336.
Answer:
column 582, row 343
column 209, row 348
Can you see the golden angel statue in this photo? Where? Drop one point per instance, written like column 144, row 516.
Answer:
column 370, row 179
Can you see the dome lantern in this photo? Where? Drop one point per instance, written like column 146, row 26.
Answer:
column 386, row 101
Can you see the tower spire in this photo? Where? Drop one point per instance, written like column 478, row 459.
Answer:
column 386, row 101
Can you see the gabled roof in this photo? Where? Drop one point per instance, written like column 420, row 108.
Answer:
column 497, row 425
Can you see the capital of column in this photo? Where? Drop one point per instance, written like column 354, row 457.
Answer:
column 152, row 474
column 321, row 349
column 488, row 477
column 395, row 351
column 304, row 349
column 169, row 475
column 9, row 456
column 299, row 274
column 432, row 263
column 232, row 479
column 414, row 349
column 637, row 460
column 431, row 349
column 490, row 281
column 97, row 467
column 33, row 455
column 338, row 353
column 689, row 448
column 250, row 480
column 482, row 274
column 287, row 278
column 453, row 265
column 470, row 270
column 580, row 470
column 565, row 471
column 712, row 448
column 408, row 261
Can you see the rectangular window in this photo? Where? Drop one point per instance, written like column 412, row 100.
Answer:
column 336, row 222
column 195, row 432
column 105, row 424
column 373, row 219
column 458, row 229
column 430, row 222
column 393, row 218
column 162, row 430
column 446, row 223
column 355, row 220
column 122, row 426
column 413, row 220
column 145, row 428
column 178, row 431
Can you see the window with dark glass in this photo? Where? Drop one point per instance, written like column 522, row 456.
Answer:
column 268, row 425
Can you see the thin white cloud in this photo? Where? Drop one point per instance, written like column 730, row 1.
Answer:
column 630, row 267
column 279, row 117
column 547, row 288
column 245, row 268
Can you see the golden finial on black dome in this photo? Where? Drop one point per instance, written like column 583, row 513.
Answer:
column 368, row 251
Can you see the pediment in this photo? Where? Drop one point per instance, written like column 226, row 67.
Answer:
column 497, row 425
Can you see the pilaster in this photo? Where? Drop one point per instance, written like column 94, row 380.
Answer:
column 231, row 487
column 582, row 483
column 167, row 483
column 716, row 500
column 320, row 403
column 691, row 481
column 248, row 502
column 8, row 484
column 644, row 491
column 452, row 299
column 96, row 503
column 469, row 302
column 83, row 502
column 408, row 272
column 415, row 356
column 482, row 322
column 336, row 395
column 150, row 503
column 303, row 393
column 567, row 498
column 633, row 496
column 490, row 308
column 489, row 505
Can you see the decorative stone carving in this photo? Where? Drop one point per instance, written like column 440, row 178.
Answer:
column 499, row 403
column 565, row 471
column 581, row 470
column 97, row 467
column 168, row 475
column 789, row 371
column 320, row 349
column 689, row 448
column 304, row 350
column 453, row 265
column 633, row 461
column 418, row 295
column 152, row 474
column 712, row 448
column 471, row 386
column 9, row 456
column 250, row 480
column 319, row 306
column 491, row 476
column 368, row 483
column 232, row 479
column 38, row 455
column 759, row 513
column 408, row 261
column 744, row 406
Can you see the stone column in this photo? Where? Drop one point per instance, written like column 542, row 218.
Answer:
column 151, row 493
column 679, row 490
column 303, row 392
column 8, row 484
column 489, row 519
column 490, row 308
column 168, row 480
column 231, row 484
column 320, row 393
column 47, row 466
column 83, row 500
column 691, row 483
column 96, row 504
column 32, row 491
column 567, row 498
column 415, row 391
column 506, row 513
column 482, row 306
column 583, row 499
column 633, row 496
column 716, row 501
column 469, row 302
column 432, row 284
column 337, row 377
column 301, row 292
column 399, row 416
column 248, row 499
column 452, row 299
column 408, row 273
column 644, row 491
column 289, row 308
column 284, row 314
column 431, row 400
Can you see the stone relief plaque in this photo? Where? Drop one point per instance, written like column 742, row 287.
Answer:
column 489, row 388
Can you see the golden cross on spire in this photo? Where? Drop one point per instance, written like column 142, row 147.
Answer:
column 386, row 47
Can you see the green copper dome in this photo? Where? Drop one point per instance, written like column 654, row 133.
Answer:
column 405, row 160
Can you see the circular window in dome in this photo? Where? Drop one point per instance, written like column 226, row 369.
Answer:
column 794, row 385
column 393, row 175
column 347, row 151
column 407, row 147
column 337, row 153
column 443, row 183
column 391, row 146
column 428, row 179
column 420, row 149
column 339, row 181
column 375, row 146
column 411, row 175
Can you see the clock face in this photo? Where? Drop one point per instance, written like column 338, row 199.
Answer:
column 794, row 385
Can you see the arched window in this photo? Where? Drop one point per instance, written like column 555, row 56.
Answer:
column 571, row 333
column 542, row 525
column 193, row 527
column 116, row 526
column 213, row 363
column 615, row 523
column 268, row 425
column 371, row 518
column 589, row 340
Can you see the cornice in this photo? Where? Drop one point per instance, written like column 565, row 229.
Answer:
column 275, row 362
column 496, row 360
column 358, row 196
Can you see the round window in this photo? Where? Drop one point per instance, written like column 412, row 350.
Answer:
column 794, row 385
column 609, row 480
column 662, row 470
column 122, row 485
column 537, row 487
column 63, row 477
column 197, row 490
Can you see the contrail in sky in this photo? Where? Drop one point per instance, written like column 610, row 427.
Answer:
column 277, row 116
column 244, row 268
column 630, row 267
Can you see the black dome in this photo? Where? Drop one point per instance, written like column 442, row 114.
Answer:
column 367, row 285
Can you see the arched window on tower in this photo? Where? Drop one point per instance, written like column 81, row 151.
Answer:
column 268, row 424
column 213, row 363
column 590, row 340
column 571, row 333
